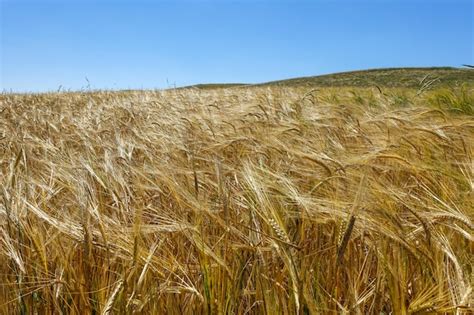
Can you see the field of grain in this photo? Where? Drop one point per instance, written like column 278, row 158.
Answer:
column 239, row 200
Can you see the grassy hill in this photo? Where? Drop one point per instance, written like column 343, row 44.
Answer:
column 389, row 77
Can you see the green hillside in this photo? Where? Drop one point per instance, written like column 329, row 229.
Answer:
column 389, row 77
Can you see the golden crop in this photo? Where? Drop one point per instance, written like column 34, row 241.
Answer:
column 243, row 200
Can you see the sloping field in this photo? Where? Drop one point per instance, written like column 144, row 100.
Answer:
column 415, row 78
column 262, row 200
column 389, row 77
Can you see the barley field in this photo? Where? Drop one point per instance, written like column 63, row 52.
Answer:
column 238, row 200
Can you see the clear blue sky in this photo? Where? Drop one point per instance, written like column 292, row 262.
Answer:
column 157, row 44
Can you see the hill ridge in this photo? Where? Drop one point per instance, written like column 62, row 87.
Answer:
column 410, row 77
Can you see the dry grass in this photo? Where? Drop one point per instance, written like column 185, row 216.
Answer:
column 235, row 201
